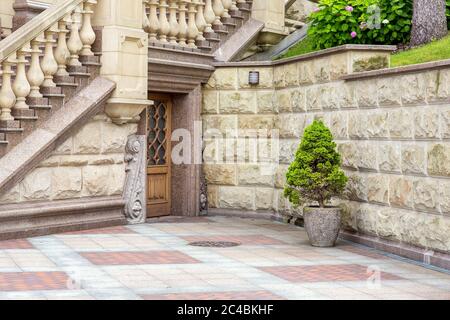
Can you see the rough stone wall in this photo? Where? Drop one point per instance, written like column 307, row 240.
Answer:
column 88, row 164
column 393, row 133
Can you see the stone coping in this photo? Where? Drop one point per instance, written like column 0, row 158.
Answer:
column 427, row 257
column 58, row 207
column 398, row 70
column 308, row 56
column 180, row 64
column 180, row 50
column 32, row 4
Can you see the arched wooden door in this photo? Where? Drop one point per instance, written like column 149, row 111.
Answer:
column 159, row 156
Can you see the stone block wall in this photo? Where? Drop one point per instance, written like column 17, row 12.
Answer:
column 392, row 130
column 88, row 164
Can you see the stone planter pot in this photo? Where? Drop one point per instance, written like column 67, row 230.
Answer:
column 322, row 225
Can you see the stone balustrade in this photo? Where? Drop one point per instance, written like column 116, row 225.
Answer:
column 40, row 54
column 187, row 23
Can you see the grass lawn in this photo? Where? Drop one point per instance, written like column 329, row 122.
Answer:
column 437, row 50
column 302, row 47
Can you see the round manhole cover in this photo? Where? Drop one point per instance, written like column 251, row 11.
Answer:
column 214, row 244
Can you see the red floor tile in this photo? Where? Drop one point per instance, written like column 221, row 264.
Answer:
column 324, row 273
column 244, row 240
column 110, row 230
column 30, row 281
column 244, row 295
column 16, row 244
column 138, row 258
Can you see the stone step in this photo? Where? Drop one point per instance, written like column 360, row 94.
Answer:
column 21, row 114
column 3, row 140
column 9, row 126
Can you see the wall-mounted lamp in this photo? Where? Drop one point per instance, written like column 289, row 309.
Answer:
column 253, row 77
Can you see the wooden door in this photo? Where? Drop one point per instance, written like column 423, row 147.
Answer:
column 159, row 156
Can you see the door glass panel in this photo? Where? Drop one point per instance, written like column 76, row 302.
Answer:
column 157, row 134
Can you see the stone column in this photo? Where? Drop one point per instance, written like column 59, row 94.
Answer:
column 272, row 13
column 124, row 57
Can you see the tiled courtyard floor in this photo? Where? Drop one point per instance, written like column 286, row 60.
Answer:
column 154, row 261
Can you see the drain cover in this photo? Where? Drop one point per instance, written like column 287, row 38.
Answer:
column 214, row 244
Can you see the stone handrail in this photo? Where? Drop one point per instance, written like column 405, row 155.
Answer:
column 36, row 26
column 25, row 42
column 185, row 23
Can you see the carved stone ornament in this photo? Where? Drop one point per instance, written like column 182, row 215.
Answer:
column 203, row 196
column 134, row 193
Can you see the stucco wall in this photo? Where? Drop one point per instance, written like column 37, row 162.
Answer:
column 393, row 133
column 89, row 164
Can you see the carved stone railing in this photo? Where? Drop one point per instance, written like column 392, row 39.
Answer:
column 68, row 24
column 186, row 23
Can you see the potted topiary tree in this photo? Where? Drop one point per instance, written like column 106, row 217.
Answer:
column 314, row 177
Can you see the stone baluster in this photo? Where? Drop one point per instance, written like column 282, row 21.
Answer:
column 183, row 27
column 87, row 34
column 35, row 75
column 210, row 16
column 48, row 64
column 145, row 18
column 174, row 27
column 7, row 96
column 163, row 22
column 21, row 86
column 192, row 27
column 62, row 53
column 226, row 8
column 200, row 20
column 74, row 43
column 218, row 11
column 234, row 6
column 154, row 22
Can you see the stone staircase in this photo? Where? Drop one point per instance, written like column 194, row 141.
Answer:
column 208, row 33
column 38, row 79
column 43, row 78
column 183, row 48
column 39, row 110
column 50, row 88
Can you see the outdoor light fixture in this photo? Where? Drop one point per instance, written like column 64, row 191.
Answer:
column 253, row 77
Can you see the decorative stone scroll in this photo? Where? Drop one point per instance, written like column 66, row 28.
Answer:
column 134, row 192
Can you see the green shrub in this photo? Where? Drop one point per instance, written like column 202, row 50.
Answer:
column 395, row 21
column 340, row 22
column 315, row 173
column 332, row 24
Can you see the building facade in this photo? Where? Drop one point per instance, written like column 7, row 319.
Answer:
column 115, row 111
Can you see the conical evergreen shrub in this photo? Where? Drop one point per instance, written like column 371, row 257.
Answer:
column 315, row 175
